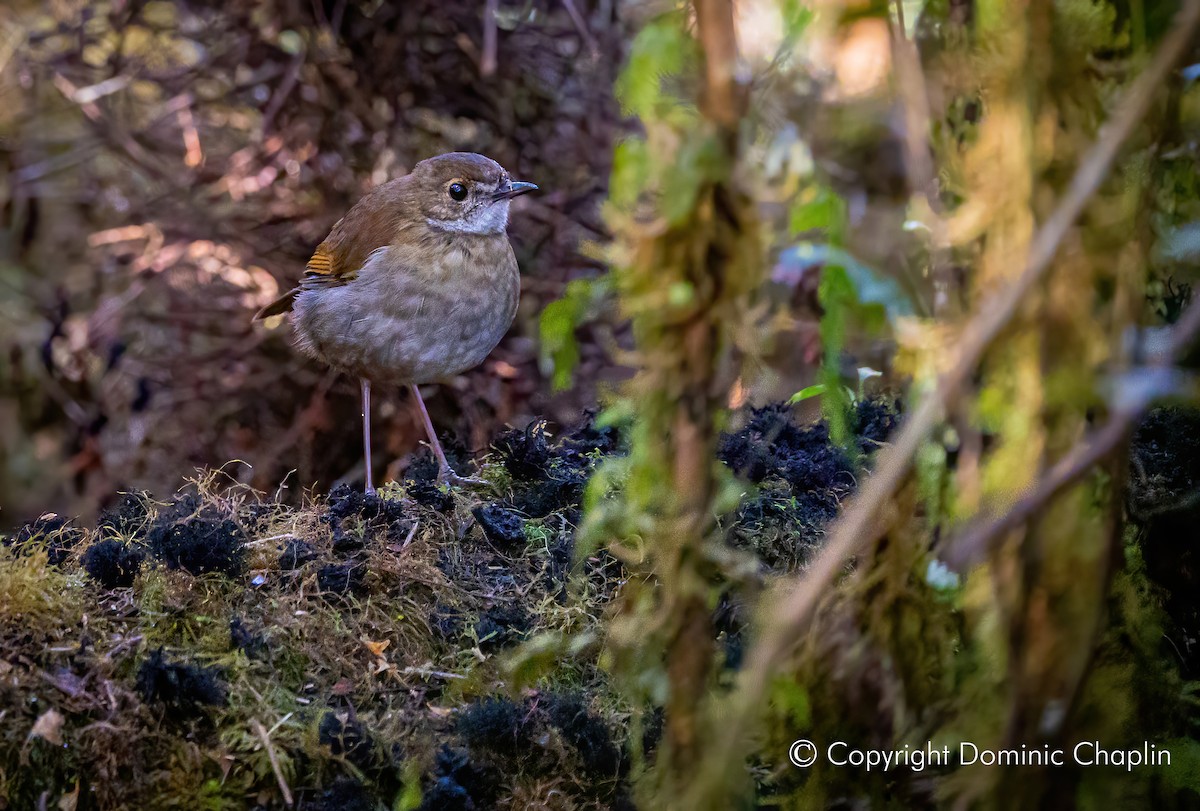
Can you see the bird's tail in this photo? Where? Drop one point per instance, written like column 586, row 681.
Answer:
column 279, row 306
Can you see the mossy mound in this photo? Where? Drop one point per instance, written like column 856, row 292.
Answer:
column 222, row 651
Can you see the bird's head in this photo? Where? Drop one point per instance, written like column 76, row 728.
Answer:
column 465, row 192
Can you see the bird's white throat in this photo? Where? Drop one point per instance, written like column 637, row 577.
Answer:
column 491, row 218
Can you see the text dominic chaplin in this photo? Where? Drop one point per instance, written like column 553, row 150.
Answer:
column 1084, row 753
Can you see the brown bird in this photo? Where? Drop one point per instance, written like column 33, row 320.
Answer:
column 416, row 284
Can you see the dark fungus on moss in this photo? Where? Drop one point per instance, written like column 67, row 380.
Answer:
column 446, row 622
column 496, row 724
column 424, row 467
column 200, row 545
column 552, row 477
column 346, row 737
column 524, row 453
column 345, row 794
column 501, row 525
column 874, row 421
column 242, row 638
column 341, row 578
column 429, row 494
column 587, row 734
column 183, row 689
column 295, row 554
column 127, row 519
column 502, row 625
column 772, row 444
column 346, row 501
column 1166, row 447
column 55, row 533
column 460, row 784
column 112, row 564
column 346, row 543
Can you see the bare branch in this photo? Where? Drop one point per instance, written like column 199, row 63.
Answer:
column 974, row 544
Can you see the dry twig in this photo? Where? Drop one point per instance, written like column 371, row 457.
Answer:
column 263, row 736
column 974, row 544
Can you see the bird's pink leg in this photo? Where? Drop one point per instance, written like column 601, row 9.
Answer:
column 366, row 417
column 445, row 473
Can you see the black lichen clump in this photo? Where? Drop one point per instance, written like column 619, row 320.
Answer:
column 429, row 494
column 295, row 554
column 550, row 477
column 200, row 545
column 57, row 534
column 874, row 421
column 501, row 525
column 245, row 640
column 345, row 794
column 525, row 454
column 772, row 445
column 346, row 501
column 460, row 784
column 128, row 519
column 803, row 477
column 781, row 526
column 346, row 543
column 503, row 625
column 341, row 578
column 424, row 468
column 1166, row 448
column 347, row 738
column 112, row 563
column 587, row 734
column 496, row 724
column 1164, row 503
column 183, row 689
column 446, row 622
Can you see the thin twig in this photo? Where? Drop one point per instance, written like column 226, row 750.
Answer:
column 974, row 544
column 487, row 62
column 266, row 742
column 290, row 78
column 791, row 612
column 581, row 26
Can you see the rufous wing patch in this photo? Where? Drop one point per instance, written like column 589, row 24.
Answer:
column 323, row 261
column 325, row 266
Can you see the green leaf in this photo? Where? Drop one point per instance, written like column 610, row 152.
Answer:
column 796, row 17
column 661, row 49
column 819, row 208
column 698, row 160
column 631, row 172
column 559, row 351
column 791, row 701
column 806, row 393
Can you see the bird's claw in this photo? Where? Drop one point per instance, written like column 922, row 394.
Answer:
column 448, row 476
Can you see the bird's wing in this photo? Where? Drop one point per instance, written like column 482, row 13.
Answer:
column 369, row 225
column 326, row 268
column 329, row 266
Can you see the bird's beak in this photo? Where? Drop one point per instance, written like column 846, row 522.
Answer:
column 515, row 189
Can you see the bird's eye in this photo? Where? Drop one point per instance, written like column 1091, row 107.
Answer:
column 458, row 192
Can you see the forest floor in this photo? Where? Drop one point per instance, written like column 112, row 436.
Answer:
column 419, row 648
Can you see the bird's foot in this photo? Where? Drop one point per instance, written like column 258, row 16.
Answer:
column 448, row 476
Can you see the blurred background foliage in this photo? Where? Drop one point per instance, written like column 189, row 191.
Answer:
column 166, row 166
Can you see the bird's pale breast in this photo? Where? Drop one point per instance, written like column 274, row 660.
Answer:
column 414, row 316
